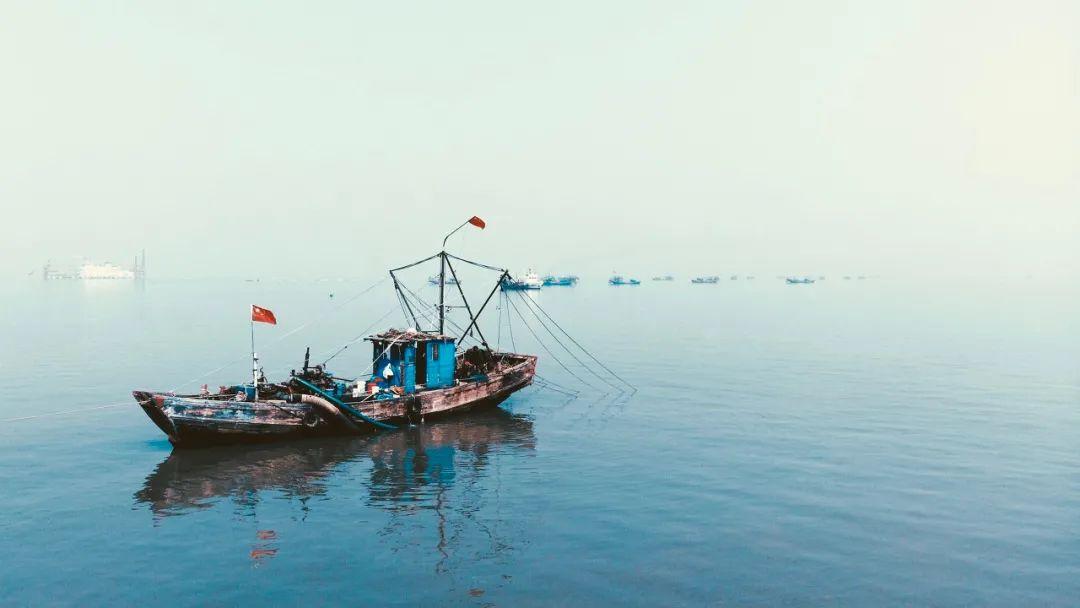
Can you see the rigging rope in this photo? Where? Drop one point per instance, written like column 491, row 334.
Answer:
column 509, row 324
column 567, row 389
column 548, row 350
column 583, row 349
column 568, row 351
column 547, row 385
column 498, row 335
column 362, row 335
column 405, row 299
column 287, row 334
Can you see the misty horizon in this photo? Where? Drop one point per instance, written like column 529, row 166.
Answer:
column 925, row 138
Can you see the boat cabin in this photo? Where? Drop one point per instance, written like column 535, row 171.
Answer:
column 418, row 360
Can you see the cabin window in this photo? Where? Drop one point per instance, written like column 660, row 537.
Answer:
column 434, row 351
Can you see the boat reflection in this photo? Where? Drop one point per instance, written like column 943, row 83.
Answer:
column 410, row 468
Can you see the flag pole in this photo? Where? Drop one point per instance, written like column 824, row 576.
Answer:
column 254, row 357
column 452, row 233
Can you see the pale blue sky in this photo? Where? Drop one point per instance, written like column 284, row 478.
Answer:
column 249, row 138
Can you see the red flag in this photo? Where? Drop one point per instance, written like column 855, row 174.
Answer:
column 262, row 315
column 475, row 221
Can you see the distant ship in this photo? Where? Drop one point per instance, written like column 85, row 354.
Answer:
column 568, row 280
column 621, row 280
column 530, row 280
column 435, row 280
column 798, row 281
column 89, row 270
column 705, row 280
column 666, row 277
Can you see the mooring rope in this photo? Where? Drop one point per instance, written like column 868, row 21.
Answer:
column 75, row 411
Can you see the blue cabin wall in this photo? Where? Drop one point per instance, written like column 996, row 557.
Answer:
column 403, row 363
column 440, row 368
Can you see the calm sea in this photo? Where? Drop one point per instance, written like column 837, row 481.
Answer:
column 847, row 443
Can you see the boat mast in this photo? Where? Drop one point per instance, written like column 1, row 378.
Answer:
column 443, row 263
column 442, row 270
column 442, row 285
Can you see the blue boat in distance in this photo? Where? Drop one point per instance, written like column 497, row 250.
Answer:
column 560, row 281
column 621, row 280
column 705, row 280
column 798, row 281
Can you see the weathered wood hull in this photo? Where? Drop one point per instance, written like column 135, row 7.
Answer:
column 192, row 420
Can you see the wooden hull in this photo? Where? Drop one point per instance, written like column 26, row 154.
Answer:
column 193, row 420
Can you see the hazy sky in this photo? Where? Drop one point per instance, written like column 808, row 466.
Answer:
column 270, row 138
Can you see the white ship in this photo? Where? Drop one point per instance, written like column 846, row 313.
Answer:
column 529, row 280
column 106, row 270
column 89, row 270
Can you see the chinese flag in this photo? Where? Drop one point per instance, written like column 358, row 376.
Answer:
column 262, row 315
column 475, row 221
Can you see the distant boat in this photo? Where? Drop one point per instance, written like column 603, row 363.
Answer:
column 90, row 270
column 666, row 277
column 434, row 280
column 620, row 280
column 560, row 281
column 530, row 280
column 705, row 280
column 734, row 277
column 798, row 281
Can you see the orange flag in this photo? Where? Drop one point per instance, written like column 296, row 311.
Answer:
column 262, row 315
column 475, row 221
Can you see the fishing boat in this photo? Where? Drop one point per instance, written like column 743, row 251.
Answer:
column 621, row 280
column 415, row 373
column 527, row 281
column 705, row 280
column 799, row 281
column 560, row 281
column 666, row 277
column 435, row 280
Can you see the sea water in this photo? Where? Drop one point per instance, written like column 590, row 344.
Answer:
column 881, row 442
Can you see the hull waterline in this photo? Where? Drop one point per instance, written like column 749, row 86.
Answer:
column 197, row 420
